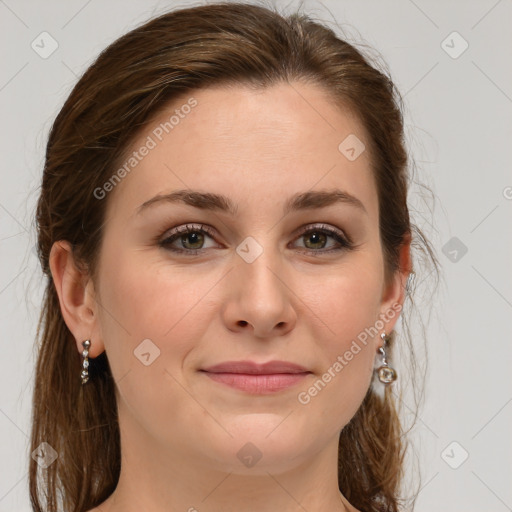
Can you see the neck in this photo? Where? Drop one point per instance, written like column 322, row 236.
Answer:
column 158, row 481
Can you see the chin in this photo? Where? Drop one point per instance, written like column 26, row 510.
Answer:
column 262, row 444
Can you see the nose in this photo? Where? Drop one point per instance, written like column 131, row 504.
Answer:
column 260, row 298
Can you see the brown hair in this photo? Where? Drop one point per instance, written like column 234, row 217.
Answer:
column 183, row 50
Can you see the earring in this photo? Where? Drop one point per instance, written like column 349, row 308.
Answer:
column 386, row 374
column 85, row 365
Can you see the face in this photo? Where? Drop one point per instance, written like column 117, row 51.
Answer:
column 186, row 284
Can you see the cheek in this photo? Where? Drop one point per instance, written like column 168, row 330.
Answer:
column 142, row 300
column 150, row 321
column 348, row 307
column 348, row 302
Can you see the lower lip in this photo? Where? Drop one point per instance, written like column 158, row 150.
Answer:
column 259, row 384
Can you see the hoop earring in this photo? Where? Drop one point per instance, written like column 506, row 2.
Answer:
column 85, row 364
column 386, row 374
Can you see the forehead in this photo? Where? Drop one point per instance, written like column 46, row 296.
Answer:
column 251, row 145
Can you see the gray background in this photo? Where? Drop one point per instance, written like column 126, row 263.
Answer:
column 459, row 130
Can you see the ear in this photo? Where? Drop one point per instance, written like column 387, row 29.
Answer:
column 76, row 294
column 393, row 295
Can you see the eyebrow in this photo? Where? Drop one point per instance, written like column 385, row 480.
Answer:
column 217, row 202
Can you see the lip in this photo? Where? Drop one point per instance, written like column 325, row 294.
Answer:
column 257, row 378
column 253, row 368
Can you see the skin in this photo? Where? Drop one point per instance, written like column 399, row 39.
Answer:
column 180, row 431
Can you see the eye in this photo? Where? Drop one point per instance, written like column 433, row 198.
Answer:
column 191, row 238
column 316, row 238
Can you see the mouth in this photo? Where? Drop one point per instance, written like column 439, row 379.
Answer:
column 251, row 377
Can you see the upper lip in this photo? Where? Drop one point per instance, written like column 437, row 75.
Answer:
column 251, row 367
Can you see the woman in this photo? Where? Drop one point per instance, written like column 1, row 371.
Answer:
column 224, row 227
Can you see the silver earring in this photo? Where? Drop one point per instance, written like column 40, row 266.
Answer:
column 386, row 374
column 85, row 365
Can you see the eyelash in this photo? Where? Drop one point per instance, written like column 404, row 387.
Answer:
column 345, row 242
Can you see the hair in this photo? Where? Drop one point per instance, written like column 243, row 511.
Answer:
column 221, row 44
